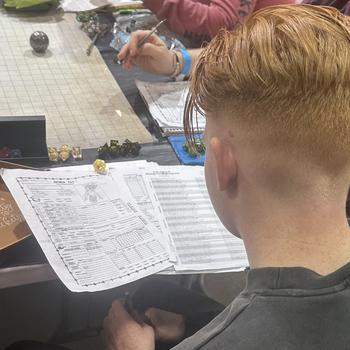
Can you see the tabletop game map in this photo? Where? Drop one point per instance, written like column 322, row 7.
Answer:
column 82, row 102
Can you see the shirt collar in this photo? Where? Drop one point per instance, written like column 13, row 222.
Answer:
column 277, row 278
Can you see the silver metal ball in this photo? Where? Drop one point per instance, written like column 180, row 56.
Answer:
column 39, row 41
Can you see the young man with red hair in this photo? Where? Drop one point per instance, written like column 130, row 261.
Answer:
column 276, row 95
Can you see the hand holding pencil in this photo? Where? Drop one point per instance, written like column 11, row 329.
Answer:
column 147, row 50
column 122, row 331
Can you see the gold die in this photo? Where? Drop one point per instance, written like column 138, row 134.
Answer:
column 64, row 155
column 76, row 153
column 53, row 154
column 64, row 148
column 100, row 166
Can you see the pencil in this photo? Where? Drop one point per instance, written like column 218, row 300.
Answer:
column 92, row 44
column 144, row 39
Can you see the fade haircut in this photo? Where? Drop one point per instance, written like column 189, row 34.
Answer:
column 284, row 75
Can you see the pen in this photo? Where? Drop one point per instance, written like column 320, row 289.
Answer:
column 144, row 39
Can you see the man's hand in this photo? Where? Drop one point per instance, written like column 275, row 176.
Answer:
column 153, row 56
column 168, row 326
column 122, row 332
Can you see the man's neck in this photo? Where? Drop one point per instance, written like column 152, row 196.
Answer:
column 291, row 233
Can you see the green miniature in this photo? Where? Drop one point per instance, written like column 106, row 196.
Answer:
column 194, row 148
column 114, row 143
column 115, row 150
column 103, row 151
column 130, row 148
column 86, row 16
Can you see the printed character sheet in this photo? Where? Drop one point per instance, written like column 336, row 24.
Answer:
column 201, row 242
column 129, row 175
column 89, row 228
column 136, row 183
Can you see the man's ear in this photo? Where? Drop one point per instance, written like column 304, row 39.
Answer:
column 225, row 163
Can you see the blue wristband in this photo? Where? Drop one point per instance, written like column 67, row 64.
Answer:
column 187, row 62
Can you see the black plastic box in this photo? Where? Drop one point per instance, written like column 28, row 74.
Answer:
column 27, row 133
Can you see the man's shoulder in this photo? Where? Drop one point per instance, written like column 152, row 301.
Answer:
column 272, row 321
column 216, row 328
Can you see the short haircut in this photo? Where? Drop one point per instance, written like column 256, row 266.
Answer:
column 285, row 75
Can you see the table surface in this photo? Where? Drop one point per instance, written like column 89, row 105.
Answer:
column 25, row 263
column 80, row 98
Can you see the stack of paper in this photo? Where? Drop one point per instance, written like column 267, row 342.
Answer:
column 166, row 103
column 99, row 232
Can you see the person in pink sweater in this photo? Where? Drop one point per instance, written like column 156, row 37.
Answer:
column 202, row 19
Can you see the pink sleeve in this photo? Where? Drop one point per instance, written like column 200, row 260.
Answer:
column 192, row 17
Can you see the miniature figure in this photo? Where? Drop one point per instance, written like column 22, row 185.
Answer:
column 102, row 151
column 115, row 150
column 194, row 148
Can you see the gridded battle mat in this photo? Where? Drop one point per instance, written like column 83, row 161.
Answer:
column 82, row 102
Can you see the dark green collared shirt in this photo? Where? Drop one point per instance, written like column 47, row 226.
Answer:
column 282, row 309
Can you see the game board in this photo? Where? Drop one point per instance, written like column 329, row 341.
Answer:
column 82, row 102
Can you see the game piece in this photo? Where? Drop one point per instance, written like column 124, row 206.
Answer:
column 77, row 153
column 15, row 153
column 103, row 151
column 135, row 149
column 100, row 166
column 129, row 148
column 194, row 149
column 53, row 154
column 86, row 16
column 64, row 155
column 4, row 152
column 114, row 143
column 64, row 148
column 114, row 150
column 39, row 41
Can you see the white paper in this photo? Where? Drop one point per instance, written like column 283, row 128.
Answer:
column 82, row 5
column 112, row 165
column 133, row 180
column 89, row 5
column 121, row 3
column 89, row 229
column 202, row 243
column 166, row 102
column 129, row 176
